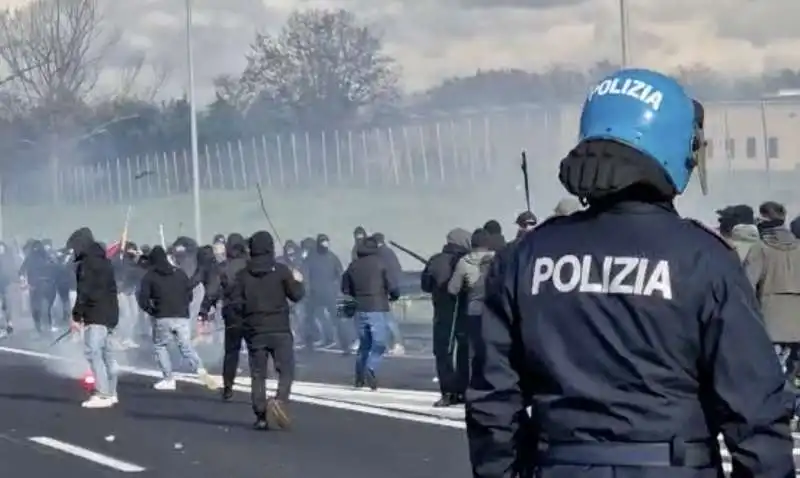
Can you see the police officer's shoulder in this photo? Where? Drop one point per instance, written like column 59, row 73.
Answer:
column 559, row 220
column 710, row 232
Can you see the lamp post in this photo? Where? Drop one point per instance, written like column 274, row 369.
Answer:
column 198, row 229
column 623, row 33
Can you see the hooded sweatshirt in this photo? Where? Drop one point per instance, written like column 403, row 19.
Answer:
column 369, row 280
column 165, row 290
column 96, row 302
column 262, row 290
column 773, row 268
column 439, row 269
column 235, row 260
column 470, row 272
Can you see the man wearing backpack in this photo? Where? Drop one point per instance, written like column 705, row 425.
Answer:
column 467, row 284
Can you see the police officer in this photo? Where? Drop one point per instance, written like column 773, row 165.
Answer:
column 623, row 339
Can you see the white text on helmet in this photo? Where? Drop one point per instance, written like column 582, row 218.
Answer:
column 629, row 87
column 616, row 275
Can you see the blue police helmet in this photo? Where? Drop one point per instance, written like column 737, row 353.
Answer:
column 648, row 111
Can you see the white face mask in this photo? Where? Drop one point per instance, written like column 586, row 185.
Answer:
column 324, row 244
column 219, row 249
column 304, row 254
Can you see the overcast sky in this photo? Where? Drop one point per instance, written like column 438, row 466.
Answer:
column 434, row 39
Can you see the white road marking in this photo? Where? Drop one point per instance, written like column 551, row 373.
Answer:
column 303, row 392
column 87, row 454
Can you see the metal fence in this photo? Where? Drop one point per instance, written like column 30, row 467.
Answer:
column 438, row 152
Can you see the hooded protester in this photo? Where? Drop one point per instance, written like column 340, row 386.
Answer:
column 470, row 271
column 261, row 294
column 372, row 285
column 236, row 260
column 495, row 230
column 359, row 234
column 773, row 267
column 218, row 246
column 292, row 257
column 128, row 274
column 434, row 280
column 526, row 222
column 96, row 310
column 165, row 294
column 394, row 268
column 737, row 226
column 324, row 276
column 40, row 271
column 207, row 274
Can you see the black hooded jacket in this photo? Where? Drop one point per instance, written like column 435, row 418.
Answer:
column 38, row 268
column 165, row 291
column 262, row 290
column 96, row 302
column 368, row 279
column 221, row 289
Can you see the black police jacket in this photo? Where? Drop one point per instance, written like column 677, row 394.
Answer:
column 625, row 324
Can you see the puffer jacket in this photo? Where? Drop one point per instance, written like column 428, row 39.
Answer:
column 468, row 276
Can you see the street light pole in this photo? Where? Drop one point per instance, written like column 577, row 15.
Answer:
column 623, row 33
column 198, row 229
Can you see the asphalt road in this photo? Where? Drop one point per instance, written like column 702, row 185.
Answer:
column 189, row 432
column 337, row 431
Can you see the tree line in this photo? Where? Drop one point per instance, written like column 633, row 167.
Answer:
column 324, row 69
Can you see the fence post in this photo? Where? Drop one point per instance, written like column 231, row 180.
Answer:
column 365, row 159
column 440, row 151
column 407, row 157
column 454, row 152
column 84, row 186
column 157, row 171
column 129, row 168
column 351, row 153
column 175, row 171
column 295, row 159
column 393, row 157
column 324, row 159
column 119, row 180
column 167, row 172
column 282, row 175
column 424, row 151
column 487, row 148
column 209, row 176
column 148, row 176
column 256, row 161
column 186, row 166
column 242, row 164
column 234, row 181
column 338, row 153
column 471, row 156
column 267, row 169
column 307, row 137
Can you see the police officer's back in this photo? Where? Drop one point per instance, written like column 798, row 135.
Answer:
column 630, row 332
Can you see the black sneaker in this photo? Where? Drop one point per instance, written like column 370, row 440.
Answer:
column 359, row 381
column 371, row 380
column 447, row 400
column 227, row 393
column 261, row 423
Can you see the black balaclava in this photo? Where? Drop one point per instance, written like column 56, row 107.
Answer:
column 323, row 243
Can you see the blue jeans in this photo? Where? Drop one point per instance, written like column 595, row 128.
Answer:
column 99, row 350
column 373, row 332
column 180, row 329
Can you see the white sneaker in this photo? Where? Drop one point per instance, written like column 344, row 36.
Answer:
column 210, row 382
column 115, row 399
column 165, row 384
column 99, row 401
column 398, row 350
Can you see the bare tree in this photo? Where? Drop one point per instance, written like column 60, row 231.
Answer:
column 55, row 50
column 323, row 67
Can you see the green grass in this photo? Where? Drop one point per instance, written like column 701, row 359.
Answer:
column 418, row 219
